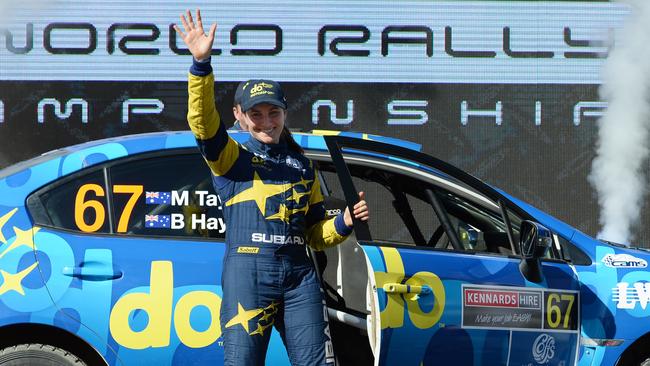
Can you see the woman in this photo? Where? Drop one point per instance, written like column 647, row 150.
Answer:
column 273, row 205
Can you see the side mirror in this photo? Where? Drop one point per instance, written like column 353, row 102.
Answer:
column 534, row 244
column 535, row 240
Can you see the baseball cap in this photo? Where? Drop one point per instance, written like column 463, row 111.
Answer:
column 255, row 92
column 238, row 93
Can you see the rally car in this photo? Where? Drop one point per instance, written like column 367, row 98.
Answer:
column 111, row 254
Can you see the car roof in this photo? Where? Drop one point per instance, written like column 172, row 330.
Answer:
column 179, row 139
column 93, row 152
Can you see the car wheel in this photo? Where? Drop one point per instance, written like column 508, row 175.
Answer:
column 38, row 355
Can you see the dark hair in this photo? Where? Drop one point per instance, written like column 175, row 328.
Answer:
column 291, row 143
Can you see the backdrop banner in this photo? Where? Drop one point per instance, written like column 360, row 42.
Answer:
column 506, row 90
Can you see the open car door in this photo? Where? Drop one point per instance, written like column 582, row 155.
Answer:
column 447, row 282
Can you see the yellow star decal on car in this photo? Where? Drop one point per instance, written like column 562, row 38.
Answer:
column 23, row 237
column 243, row 317
column 259, row 192
column 13, row 281
column 3, row 220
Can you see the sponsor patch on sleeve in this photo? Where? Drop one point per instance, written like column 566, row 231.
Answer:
column 248, row 250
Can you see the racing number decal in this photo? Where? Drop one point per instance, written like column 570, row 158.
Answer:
column 136, row 192
column 560, row 311
column 82, row 203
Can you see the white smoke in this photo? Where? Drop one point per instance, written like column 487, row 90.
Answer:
column 618, row 172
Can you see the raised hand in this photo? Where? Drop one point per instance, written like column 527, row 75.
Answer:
column 360, row 211
column 199, row 43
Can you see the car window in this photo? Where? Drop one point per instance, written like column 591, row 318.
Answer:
column 167, row 195
column 76, row 204
column 401, row 211
column 479, row 228
column 571, row 253
column 386, row 224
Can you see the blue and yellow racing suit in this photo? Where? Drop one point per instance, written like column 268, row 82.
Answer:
column 273, row 206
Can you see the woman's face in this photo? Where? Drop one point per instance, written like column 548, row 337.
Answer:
column 265, row 122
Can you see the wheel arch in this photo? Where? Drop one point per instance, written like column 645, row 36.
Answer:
column 637, row 352
column 22, row 333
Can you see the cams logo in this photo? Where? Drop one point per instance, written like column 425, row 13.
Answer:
column 624, row 261
column 543, row 349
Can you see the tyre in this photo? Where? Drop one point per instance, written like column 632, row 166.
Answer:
column 33, row 354
column 645, row 363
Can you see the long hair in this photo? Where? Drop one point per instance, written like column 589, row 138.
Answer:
column 291, row 143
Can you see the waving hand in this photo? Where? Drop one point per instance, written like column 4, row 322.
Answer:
column 199, row 43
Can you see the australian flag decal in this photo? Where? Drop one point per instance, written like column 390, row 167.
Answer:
column 157, row 221
column 157, row 198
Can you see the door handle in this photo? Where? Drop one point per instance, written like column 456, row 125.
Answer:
column 399, row 288
column 93, row 271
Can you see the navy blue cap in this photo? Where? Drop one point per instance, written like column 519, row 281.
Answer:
column 238, row 93
column 256, row 92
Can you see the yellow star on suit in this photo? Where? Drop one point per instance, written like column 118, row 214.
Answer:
column 267, row 316
column 243, row 317
column 284, row 213
column 260, row 329
column 259, row 192
column 269, row 312
column 296, row 196
column 304, row 182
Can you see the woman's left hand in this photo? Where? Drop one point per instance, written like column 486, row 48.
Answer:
column 360, row 211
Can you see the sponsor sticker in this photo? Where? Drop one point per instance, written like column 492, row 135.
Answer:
column 624, row 261
column 544, row 348
column 519, row 308
column 333, row 212
column 630, row 295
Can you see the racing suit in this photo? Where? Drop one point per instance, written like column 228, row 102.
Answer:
column 273, row 206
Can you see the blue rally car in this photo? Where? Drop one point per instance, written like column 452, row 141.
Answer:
column 111, row 253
